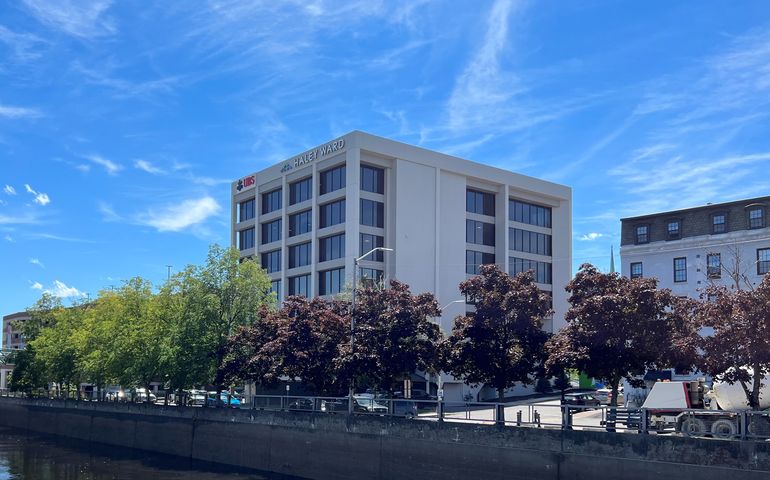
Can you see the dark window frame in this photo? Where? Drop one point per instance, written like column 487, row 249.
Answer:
column 332, row 179
column 331, row 247
column 763, row 266
column 332, row 213
column 714, row 271
column 529, row 213
column 640, row 273
column 717, row 228
column 479, row 233
column 303, row 282
column 543, row 270
column 480, row 202
column 273, row 263
column 373, row 179
column 757, row 222
column 478, row 259
column 374, row 211
column 638, row 238
column 271, row 201
column 331, row 282
column 683, row 271
column 300, row 223
column 247, row 209
column 268, row 228
column 299, row 253
column 376, row 241
column 674, row 234
column 301, row 190
column 243, row 237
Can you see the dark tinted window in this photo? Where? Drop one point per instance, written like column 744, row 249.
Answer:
column 636, row 270
column 333, row 179
column 480, row 202
column 332, row 247
column 246, row 239
column 300, row 191
column 369, row 242
column 246, row 210
column 300, row 223
column 480, row 233
column 542, row 270
column 369, row 277
column 271, row 261
column 372, row 179
column 474, row 259
column 299, row 285
column 299, row 255
column 271, row 231
column 714, row 265
column 372, row 213
column 271, row 201
column 718, row 223
column 531, row 242
column 332, row 213
column 763, row 261
column 529, row 213
column 680, row 269
column 330, row 282
column 275, row 287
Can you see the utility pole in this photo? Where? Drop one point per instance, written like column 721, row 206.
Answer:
column 168, row 272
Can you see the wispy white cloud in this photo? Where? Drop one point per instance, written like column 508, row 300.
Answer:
column 105, row 76
column 108, row 212
column 25, row 218
column 148, row 167
column 111, row 167
column 40, row 197
column 14, row 112
column 181, row 216
column 83, row 19
column 58, row 289
column 9, row 190
column 35, row 261
column 50, row 236
column 24, row 47
column 588, row 237
column 9, row 238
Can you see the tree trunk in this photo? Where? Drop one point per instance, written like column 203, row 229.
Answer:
column 613, row 405
column 756, row 386
column 500, row 406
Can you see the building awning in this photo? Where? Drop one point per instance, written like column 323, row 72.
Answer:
column 657, row 375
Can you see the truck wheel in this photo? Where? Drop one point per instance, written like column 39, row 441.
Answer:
column 724, row 428
column 693, row 427
column 759, row 427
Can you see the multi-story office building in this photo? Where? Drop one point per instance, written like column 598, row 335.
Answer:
column 307, row 218
column 686, row 250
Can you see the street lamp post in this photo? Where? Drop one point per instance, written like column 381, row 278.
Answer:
column 439, row 380
column 353, row 316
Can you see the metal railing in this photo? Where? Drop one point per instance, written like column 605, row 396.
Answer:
column 753, row 425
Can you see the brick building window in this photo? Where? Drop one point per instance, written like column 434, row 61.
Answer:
column 673, row 228
column 756, row 217
column 718, row 223
column 642, row 234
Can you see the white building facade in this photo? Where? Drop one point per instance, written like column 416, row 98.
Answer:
column 687, row 250
column 306, row 219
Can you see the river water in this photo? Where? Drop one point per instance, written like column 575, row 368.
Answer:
column 34, row 457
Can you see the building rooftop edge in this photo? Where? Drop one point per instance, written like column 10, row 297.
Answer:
column 747, row 201
column 361, row 133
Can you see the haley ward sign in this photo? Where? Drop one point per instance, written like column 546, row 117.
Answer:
column 314, row 154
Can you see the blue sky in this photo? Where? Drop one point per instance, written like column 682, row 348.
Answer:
column 121, row 123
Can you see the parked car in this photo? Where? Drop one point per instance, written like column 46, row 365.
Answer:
column 365, row 404
column 405, row 408
column 581, row 399
column 140, row 396
column 225, row 400
column 196, row 398
column 604, row 395
column 301, row 404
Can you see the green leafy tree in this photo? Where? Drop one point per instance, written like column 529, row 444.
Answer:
column 738, row 351
column 501, row 342
column 27, row 373
column 395, row 335
column 55, row 349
